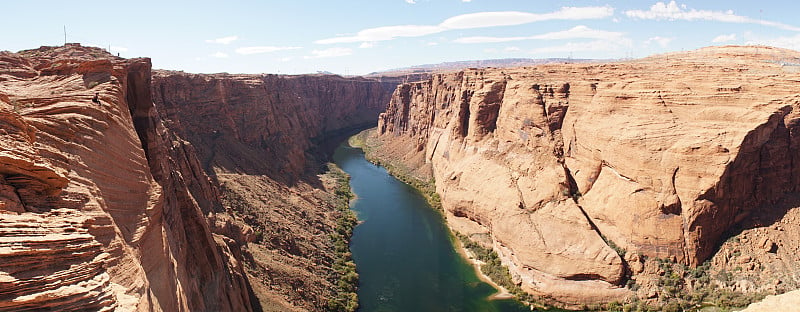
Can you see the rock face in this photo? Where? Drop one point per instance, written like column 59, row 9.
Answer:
column 259, row 138
column 124, row 204
column 266, row 123
column 560, row 163
column 96, row 213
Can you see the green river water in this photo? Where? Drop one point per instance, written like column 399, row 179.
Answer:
column 403, row 249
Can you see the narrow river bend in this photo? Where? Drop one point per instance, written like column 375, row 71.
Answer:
column 402, row 249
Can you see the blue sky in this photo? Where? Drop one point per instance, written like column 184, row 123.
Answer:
column 362, row 36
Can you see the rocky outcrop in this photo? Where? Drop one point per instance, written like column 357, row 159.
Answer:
column 661, row 157
column 97, row 211
column 139, row 202
column 261, row 138
column 776, row 303
column 268, row 123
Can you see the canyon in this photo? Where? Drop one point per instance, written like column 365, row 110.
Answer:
column 591, row 181
column 176, row 192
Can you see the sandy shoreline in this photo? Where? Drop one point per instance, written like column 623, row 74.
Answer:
column 502, row 293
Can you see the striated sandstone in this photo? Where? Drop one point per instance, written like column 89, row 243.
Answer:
column 662, row 157
column 140, row 203
column 261, row 139
column 97, row 210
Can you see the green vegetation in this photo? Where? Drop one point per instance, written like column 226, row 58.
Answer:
column 682, row 288
column 496, row 271
column 344, row 269
column 426, row 188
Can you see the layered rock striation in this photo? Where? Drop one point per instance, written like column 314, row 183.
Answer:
column 136, row 202
column 96, row 213
column 567, row 166
column 265, row 124
column 261, row 138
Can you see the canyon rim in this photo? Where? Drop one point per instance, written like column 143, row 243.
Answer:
column 592, row 182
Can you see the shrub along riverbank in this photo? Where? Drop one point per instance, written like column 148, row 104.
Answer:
column 344, row 275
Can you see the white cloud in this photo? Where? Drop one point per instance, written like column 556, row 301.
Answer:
column 662, row 41
column 596, row 45
column 411, row 1
column 286, row 59
column 118, row 49
column 508, row 18
column 472, row 20
column 792, row 42
column 573, row 33
column 219, row 55
column 366, row 45
column 223, row 40
column 511, row 49
column 257, row 50
column 385, row 33
column 332, row 52
column 466, row 0
column 672, row 11
column 432, row 43
column 724, row 38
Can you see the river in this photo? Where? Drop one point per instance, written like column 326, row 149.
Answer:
column 403, row 250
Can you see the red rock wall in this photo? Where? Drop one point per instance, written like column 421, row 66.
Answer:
column 660, row 156
column 99, row 205
column 118, row 205
column 268, row 123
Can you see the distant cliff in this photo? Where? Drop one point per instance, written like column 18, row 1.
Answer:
column 149, row 199
column 577, row 173
column 264, row 123
column 261, row 138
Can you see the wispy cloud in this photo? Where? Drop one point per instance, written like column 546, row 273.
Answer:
column 573, row 33
column 469, row 21
column 219, row 55
column 366, row 45
column 724, row 38
column 596, row 45
column 508, row 18
column 385, row 33
column 332, row 52
column 661, row 41
column 792, row 42
column 258, row 50
column 223, row 40
column 118, row 49
column 411, row 1
column 672, row 11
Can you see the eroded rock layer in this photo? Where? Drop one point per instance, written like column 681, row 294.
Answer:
column 96, row 212
column 662, row 157
column 260, row 138
column 137, row 203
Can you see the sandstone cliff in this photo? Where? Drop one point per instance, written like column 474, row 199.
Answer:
column 261, row 138
column 136, row 203
column 663, row 157
column 95, row 212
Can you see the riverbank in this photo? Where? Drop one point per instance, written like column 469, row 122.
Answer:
column 406, row 255
column 418, row 179
column 502, row 293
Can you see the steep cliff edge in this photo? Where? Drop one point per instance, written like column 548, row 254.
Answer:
column 95, row 212
column 576, row 174
column 139, row 202
column 261, row 139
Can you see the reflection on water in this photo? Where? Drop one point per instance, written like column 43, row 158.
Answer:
column 402, row 249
